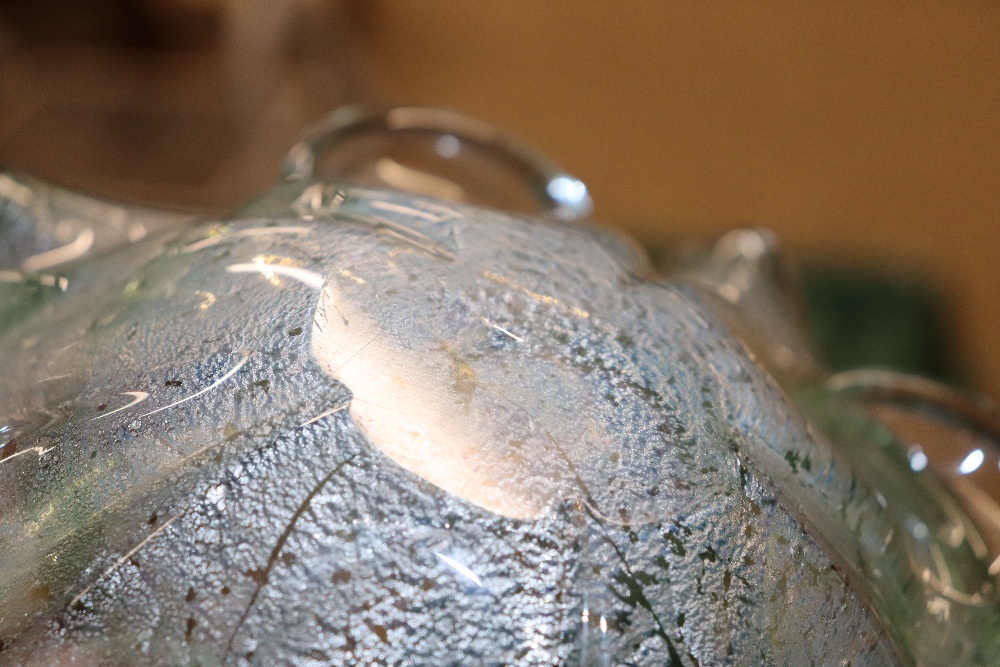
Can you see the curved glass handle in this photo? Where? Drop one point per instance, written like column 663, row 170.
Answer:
column 955, row 437
column 445, row 138
column 885, row 385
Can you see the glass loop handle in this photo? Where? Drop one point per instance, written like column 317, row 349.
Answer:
column 556, row 192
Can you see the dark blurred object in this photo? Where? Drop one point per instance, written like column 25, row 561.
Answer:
column 179, row 103
column 130, row 23
column 868, row 320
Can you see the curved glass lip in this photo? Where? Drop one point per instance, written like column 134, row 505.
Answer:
column 558, row 193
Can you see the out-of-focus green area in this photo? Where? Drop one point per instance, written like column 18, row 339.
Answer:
column 868, row 320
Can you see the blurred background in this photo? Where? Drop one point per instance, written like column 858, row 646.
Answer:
column 864, row 134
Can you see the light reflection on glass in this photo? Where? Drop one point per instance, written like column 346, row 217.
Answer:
column 41, row 452
column 971, row 462
column 918, row 460
column 568, row 191
column 137, row 397
column 461, row 569
column 414, row 180
column 232, row 371
column 269, row 271
column 447, row 146
column 66, row 253
column 995, row 567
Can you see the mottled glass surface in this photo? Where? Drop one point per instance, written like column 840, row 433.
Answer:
column 373, row 428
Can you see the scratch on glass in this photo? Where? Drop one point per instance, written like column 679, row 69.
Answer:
column 232, row 371
column 118, row 563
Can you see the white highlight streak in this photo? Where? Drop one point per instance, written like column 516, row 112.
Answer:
column 329, row 412
column 502, row 330
column 55, row 377
column 972, row 462
column 229, row 374
column 253, row 231
column 305, row 276
column 60, row 255
column 118, row 563
column 414, row 180
column 40, row 451
column 137, row 397
column 461, row 569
